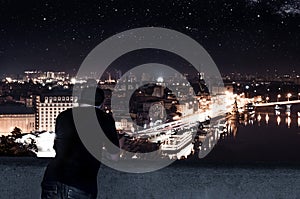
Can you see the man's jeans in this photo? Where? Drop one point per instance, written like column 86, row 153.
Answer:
column 57, row 190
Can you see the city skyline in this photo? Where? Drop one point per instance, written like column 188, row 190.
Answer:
column 167, row 99
column 253, row 43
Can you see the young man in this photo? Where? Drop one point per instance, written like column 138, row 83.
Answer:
column 73, row 171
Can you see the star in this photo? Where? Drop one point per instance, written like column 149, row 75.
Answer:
column 256, row 24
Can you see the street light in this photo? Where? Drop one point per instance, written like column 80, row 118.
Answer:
column 267, row 99
column 278, row 97
column 288, row 96
column 298, row 96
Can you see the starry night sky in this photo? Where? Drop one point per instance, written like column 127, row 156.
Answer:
column 240, row 35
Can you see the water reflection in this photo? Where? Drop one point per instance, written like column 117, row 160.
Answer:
column 269, row 135
column 267, row 118
column 259, row 118
column 207, row 135
column 278, row 120
column 288, row 121
column 263, row 118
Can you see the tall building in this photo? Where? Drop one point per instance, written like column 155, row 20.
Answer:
column 49, row 106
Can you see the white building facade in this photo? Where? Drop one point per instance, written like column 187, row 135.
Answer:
column 49, row 107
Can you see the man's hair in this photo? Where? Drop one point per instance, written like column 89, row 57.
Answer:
column 92, row 96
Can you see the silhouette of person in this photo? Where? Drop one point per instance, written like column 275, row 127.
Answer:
column 73, row 171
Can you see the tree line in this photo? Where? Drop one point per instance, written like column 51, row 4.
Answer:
column 9, row 146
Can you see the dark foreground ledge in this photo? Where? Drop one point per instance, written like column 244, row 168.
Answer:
column 192, row 162
column 20, row 178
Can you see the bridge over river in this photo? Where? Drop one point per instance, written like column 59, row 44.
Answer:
column 278, row 103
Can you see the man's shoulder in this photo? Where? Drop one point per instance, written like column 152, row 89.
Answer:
column 65, row 113
column 86, row 112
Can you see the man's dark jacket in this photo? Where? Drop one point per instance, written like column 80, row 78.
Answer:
column 73, row 164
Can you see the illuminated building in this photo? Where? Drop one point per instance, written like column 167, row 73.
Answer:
column 12, row 116
column 48, row 108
